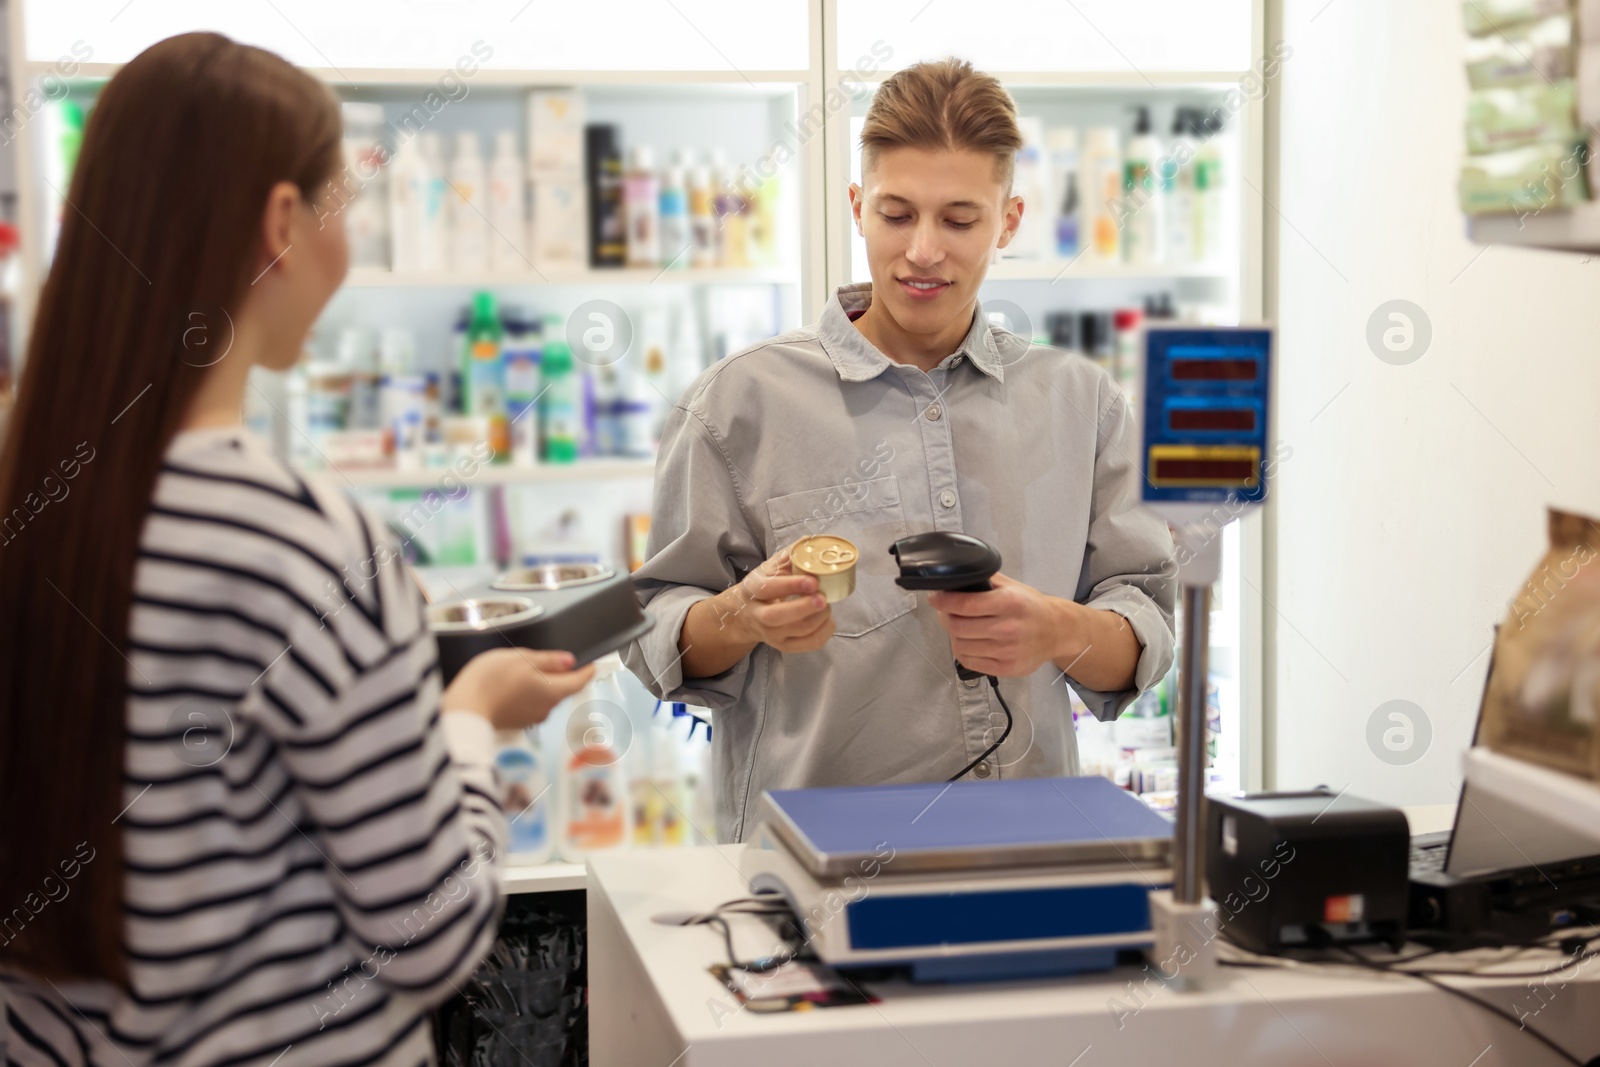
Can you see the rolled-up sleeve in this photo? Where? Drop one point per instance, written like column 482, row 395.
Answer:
column 701, row 542
column 1128, row 563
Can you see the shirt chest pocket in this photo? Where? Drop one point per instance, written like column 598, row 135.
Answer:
column 869, row 515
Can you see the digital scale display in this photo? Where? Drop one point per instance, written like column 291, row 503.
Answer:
column 1205, row 414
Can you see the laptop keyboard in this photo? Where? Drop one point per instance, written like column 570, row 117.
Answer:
column 1428, row 852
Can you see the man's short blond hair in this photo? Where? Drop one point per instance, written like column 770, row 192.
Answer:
column 945, row 104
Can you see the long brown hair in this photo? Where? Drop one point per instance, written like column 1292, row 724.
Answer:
column 160, row 235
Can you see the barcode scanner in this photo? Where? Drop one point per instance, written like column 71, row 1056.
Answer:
column 959, row 563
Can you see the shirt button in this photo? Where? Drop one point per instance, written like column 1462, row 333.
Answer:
column 947, row 498
column 934, row 411
column 982, row 769
column 970, row 683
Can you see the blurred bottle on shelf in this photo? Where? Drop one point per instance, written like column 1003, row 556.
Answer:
column 9, row 242
column 469, row 222
column 522, row 355
column 523, row 782
column 1180, row 191
column 1095, row 339
column 608, row 235
column 1030, row 180
column 1102, row 168
column 641, row 207
column 636, row 539
column 1064, row 190
column 364, row 187
column 1142, row 210
column 764, row 221
column 63, row 138
column 674, row 219
column 402, row 398
column 508, row 207
column 732, row 215
column 702, row 219
column 1210, row 235
column 483, row 375
column 593, row 810
column 561, row 401
column 417, row 205
column 1128, row 324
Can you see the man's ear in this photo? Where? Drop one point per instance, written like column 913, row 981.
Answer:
column 1010, row 220
column 857, row 199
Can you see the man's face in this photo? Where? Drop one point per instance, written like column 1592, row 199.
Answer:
column 932, row 219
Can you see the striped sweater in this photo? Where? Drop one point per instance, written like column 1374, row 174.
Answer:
column 309, row 848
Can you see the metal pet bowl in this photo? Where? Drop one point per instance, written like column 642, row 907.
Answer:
column 588, row 610
column 549, row 577
column 464, row 628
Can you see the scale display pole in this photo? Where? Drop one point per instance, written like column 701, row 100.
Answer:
column 1204, row 454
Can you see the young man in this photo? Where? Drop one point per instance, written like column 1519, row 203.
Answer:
column 903, row 411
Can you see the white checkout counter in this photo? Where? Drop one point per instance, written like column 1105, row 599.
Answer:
column 654, row 1003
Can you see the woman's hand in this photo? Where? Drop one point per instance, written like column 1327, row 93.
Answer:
column 514, row 688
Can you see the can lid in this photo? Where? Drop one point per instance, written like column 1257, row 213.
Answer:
column 823, row 554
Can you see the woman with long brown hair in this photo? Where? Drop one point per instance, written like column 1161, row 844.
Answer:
column 239, row 821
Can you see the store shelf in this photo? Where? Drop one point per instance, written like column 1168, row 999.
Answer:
column 493, row 474
column 1574, row 229
column 367, row 278
column 1085, row 267
column 543, row 878
column 764, row 82
column 1090, row 79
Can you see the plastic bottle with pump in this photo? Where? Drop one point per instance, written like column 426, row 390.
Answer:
column 508, row 205
column 469, row 228
column 524, row 785
column 1208, row 183
column 1144, row 210
column 1178, row 182
column 594, row 813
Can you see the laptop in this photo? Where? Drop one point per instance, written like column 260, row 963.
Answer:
column 1501, row 873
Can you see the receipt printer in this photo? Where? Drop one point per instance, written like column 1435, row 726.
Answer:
column 1303, row 870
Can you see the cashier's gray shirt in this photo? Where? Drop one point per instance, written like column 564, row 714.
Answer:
column 815, row 431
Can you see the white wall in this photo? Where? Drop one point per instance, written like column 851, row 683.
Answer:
column 1413, row 505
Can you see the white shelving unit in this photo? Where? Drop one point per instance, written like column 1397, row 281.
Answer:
column 1087, row 267
column 488, row 474
column 367, row 278
column 1574, row 229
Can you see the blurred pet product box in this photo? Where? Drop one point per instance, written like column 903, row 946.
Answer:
column 1535, row 88
column 555, row 132
column 559, row 220
column 1542, row 703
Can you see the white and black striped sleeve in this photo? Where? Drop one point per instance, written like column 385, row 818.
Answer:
column 400, row 800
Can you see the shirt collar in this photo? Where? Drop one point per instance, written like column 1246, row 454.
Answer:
column 855, row 358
